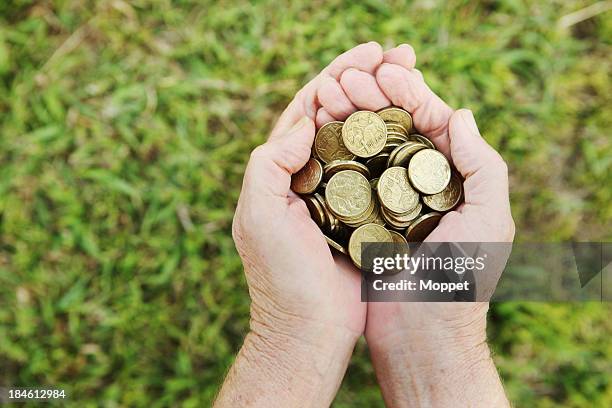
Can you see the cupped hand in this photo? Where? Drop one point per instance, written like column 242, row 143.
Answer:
column 295, row 282
column 484, row 217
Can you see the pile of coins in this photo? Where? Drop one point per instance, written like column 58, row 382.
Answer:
column 372, row 178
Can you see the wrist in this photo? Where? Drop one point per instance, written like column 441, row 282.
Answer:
column 288, row 366
column 429, row 326
column 291, row 329
column 437, row 362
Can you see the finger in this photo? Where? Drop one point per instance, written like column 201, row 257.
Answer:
column 402, row 55
column 334, row 100
column 484, row 170
column 268, row 173
column 323, row 117
column 365, row 57
column 362, row 90
column 406, row 88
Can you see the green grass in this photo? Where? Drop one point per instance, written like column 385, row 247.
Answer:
column 124, row 131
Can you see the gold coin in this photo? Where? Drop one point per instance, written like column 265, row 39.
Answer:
column 336, row 166
column 361, row 219
column 316, row 210
column 390, row 146
column 393, row 154
column 405, row 152
column 422, row 227
column 377, row 164
column 401, row 220
column 448, row 198
column 395, row 192
column 364, row 133
column 366, row 233
column 348, row 194
column 421, row 139
column 335, row 245
column 396, row 115
column 378, row 219
column 395, row 138
column 429, row 171
column 370, row 219
column 397, row 237
column 328, row 144
column 308, row 178
column 330, row 219
column 396, row 127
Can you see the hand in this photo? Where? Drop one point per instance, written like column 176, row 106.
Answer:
column 294, row 280
column 484, row 216
column 306, row 311
column 432, row 338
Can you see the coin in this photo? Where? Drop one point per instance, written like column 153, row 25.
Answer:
column 448, row 198
column 308, row 178
column 335, row 166
column 330, row 219
column 374, row 183
column 395, row 192
column 373, row 216
column 397, row 237
column 348, row 194
column 362, row 218
column 401, row 221
column 429, row 171
column 364, row 133
column 328, row 144
column 404, row 153
column 378, row 219
column 396, row 127
column 395, row 138
column 366, row 233
column 335, row 245
column 316, row 210
column 421, row 139
column 397, row 115
column 422, row 227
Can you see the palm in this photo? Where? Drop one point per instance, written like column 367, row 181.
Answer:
column 321, row 281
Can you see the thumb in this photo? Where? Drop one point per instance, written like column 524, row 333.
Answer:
column 484, row 170
column 271, row 165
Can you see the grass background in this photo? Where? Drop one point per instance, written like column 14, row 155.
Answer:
column 124, row 131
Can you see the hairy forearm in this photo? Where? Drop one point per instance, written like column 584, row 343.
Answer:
column 286, row 371
column 431, row 372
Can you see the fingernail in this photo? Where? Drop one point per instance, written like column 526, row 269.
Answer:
column 470, row 122
column 300, row 124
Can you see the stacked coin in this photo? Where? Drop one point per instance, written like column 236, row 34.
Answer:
column 373, row 178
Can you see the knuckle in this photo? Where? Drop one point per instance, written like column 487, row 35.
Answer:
column 501, row 163
column 259, row 152
column 497, row 164
column 385, row 73
column 302, row 150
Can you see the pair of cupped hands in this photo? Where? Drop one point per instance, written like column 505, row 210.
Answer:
column 304, row 293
